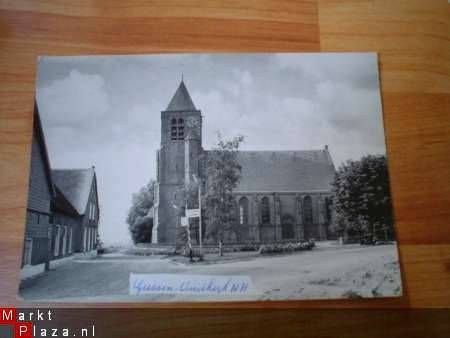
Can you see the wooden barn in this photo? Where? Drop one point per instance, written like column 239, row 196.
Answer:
column 40, row 196
column 75, row 211
column 62, row 211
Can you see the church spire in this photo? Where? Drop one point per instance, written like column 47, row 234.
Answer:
column 181, row 100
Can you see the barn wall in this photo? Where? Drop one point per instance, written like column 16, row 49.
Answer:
column 39, row 194
column 86, row 222
column 38, row 207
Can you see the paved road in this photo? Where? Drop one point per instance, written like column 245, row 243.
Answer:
column 325, row 272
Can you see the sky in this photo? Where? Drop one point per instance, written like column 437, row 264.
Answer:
column 104, row 111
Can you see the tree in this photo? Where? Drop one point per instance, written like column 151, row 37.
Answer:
column 139, row 221
column 223, row 172
column 187, row 195
column 362, row 199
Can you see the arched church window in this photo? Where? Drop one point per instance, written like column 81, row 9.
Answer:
column 173, row 129
column 180, row 129
column 307, row 210
column 265, row 210
column 328, row 207
column 243, row 210
column 235, row 211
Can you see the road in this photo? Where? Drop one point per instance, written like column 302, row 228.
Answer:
column 324, row 272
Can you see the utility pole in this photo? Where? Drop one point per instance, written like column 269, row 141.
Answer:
column 200, row 215
column 188, row 232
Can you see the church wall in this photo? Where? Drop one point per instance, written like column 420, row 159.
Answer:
column 168, row 217
column 315, row 201
column 192, row 152
column 287, row 209
column 310, row 229
column 254, row 231
column 172, row 163
column 157, row 165
column 271, row 207
column 318, row 229
column 251, row 208
column 290, row 204
column 287, row 205
column 267, row 233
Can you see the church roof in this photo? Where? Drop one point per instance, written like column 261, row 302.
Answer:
column 75, row 185
column 181, row 100
column 280, row 171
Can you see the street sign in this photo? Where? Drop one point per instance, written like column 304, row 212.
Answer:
column 192, row 213
column 184, row 222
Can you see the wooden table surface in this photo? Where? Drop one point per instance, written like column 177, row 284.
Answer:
column 412, row 38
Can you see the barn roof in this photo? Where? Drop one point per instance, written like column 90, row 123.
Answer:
column 181, row 100
column 39, row 134
column 60, row 203
column 75, row 185
column 285, row 171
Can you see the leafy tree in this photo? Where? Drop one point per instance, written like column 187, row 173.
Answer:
column 223, row 172
column 139, row 221
column 362, row 199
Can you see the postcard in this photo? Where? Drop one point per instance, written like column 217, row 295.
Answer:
column 208, row 177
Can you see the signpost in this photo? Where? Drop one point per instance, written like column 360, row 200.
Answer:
column 194, row 213
column 200, row 216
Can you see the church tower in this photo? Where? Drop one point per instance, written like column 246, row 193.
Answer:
column 177, row 161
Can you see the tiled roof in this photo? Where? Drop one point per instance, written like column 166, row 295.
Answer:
column 280, row 171
column 75, row 185
column 181, row 100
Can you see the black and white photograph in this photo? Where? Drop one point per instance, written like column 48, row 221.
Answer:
column 208, row 177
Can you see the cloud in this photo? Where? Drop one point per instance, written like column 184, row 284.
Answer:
column 105, row 111
column 358, row 70
column 73, row 100
column 243, row 77
column 218, row 110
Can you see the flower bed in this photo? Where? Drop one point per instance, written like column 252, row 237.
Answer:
column 285, row 247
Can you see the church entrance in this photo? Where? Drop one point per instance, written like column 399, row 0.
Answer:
column 287, row 227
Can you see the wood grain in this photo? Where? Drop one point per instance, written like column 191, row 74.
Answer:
column 29, row 29
column 412, row 39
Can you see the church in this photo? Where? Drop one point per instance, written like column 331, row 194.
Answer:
column 281, row 196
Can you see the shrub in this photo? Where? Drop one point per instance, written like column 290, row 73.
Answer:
column 285, row 247
column 249, row 247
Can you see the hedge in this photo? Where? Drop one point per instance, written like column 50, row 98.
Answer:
column 285, row 247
